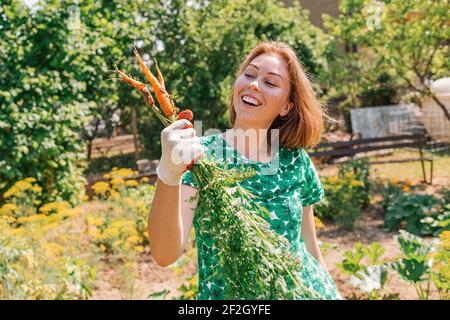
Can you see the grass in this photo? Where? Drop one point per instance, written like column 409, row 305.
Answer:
column 405, row 170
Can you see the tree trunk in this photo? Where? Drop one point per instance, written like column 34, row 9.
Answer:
column 135, row 133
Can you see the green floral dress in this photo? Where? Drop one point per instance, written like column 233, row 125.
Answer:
column 283, row 188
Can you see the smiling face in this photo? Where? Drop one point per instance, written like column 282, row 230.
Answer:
column 261, row 92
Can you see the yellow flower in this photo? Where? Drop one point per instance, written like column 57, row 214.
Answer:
column 8, row 209
column 131, row 183
column 129, row 231
column 102, row 248
column 357, row 183
column 85, row 198
column 445, row 238
column 132, row 241
column 332, row 179
column 189, row 294
column 114, row 195
column 117, row 243
column 33, row 218
column 120, row 173
column 95, row 221
column 11, row 192
column 139, row 249
column 23, row 185
column 117, row 182
column 8, row 219
column 193, row 280
column 49, row 227
column 145, row 180
column 109, row 233
column 100, row 187
column 36, row 189
column 318, row 223
column 53, row 249
column 406, row 189
column 72, row 212
column 30, row 180
column 394, row 180
column 54, row 207
column 348, row 175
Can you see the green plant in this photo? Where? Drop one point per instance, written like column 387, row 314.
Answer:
column 414, row 266
column 420, row 214
column 341, row 203
column 389, row 191
column 367, row 272
column 361, row 173
column 440, row 275
column 368, row 65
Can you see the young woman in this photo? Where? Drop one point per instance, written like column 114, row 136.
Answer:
column 273, row 95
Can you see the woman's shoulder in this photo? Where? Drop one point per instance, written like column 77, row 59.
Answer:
column 292, row 156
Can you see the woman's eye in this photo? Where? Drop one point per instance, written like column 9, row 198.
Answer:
column 249, row 75
column 270, row 84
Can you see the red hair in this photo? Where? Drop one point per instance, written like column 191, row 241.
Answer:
column 303, row 125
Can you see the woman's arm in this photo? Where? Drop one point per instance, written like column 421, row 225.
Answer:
column 170, row 221
column 308, row 233
column 171, row 216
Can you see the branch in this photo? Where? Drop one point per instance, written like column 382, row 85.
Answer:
column 440, row 104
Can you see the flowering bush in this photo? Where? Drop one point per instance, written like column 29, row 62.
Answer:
column 340, row 205
column 49, row 250
column 40, row 254
column 362, row 184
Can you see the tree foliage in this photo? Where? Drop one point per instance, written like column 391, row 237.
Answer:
column 56, row 67
column 393, row 43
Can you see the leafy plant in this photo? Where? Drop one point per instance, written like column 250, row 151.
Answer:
column 420, row 214
column 413, row 266
column 368, row 65
column 341, row 204
column 367, row 272
column 439, row 261
column 361, row 173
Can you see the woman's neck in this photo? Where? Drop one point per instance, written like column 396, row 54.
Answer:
column 250, row 142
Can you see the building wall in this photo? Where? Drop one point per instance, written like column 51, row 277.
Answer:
column 317, row 8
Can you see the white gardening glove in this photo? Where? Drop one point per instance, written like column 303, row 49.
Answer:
column 178, row 148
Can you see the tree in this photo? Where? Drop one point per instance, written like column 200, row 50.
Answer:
column 200, row 46
column 406, row 43
column 41, row 100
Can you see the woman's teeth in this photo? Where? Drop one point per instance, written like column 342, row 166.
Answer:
column 250, row 101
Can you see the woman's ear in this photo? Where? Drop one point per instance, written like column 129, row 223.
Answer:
column 286, row 109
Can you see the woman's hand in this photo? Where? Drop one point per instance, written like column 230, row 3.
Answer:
column 179, row 147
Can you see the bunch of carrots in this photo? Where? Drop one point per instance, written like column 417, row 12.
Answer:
column 254, row 260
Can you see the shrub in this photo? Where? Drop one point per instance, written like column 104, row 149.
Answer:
column 419, row 214
column 345, row 195
column 367, row 272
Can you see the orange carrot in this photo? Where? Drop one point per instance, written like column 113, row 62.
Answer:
column 164, row 99
column 147, row 97
column 138, row 85
column 134, row 83
column 160, row 76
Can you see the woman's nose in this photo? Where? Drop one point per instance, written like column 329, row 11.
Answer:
column 254, row 85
